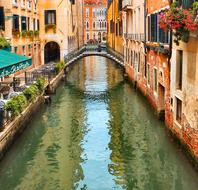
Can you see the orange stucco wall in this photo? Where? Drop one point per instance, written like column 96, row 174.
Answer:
column 154, row 5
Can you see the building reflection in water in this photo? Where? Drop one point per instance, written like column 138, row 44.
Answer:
column 98, row 134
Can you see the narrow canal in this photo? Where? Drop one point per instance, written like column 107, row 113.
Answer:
column 98, row 134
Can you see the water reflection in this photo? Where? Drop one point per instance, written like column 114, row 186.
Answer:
column 98, row 134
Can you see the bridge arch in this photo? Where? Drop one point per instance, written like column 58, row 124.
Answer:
column 51, row 52
column 114, row 58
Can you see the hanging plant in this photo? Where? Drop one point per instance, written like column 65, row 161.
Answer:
column 180, row 21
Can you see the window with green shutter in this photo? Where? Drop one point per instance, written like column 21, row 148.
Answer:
column 2, row 18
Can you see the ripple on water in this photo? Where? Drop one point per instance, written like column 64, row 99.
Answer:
column 98, row 134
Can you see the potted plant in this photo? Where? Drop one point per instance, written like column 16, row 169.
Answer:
column 36, row 33
column 50, row 27
column 180, row 21
column 24, row 33
column 16, row 32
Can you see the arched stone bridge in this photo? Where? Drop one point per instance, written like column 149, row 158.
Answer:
column 86, row 51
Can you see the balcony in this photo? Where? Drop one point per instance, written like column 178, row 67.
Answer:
column 135, row 37
column 127, row 5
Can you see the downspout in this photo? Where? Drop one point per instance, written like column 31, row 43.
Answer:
column 145, row 34
column 83, row 33
column 77, row 24
column 171, row 41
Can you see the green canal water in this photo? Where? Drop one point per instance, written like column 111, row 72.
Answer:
column 98, row 134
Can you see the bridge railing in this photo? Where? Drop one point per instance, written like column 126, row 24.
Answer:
column 74, row 54
column 116, row 54
column 93, row 48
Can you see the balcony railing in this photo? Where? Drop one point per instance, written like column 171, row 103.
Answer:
column 127, row 4
column 136, row 37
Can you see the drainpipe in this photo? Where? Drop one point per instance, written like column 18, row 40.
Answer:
column 83, row 32
column 171, row 42
column 145, row 34
column 77, row 15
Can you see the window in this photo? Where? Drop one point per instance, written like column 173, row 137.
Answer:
column 178, row 110
column 2, row 18
column 163, row 36
column 34, row 24
column 28, row 23
column 15, row 49
column 23, row 23
column 94, row 14
column 29, row 4
column 94, row 24
column 111, row 26
column 102, row 24
column 154, row 27
column 14, row 2
column 145, row 69
column 126, row 54
column 15, row 22
column 116, row 29
column 23, row 49
column 148, row 73
column 119, row 5
column 87, row 12
column 138, row 62
column 23, row 3
column 87, row 25
column 155, row 33
column 179, row 68
column 155, row 79
column 120, row 28
column 131, row 57
column 87, row 36
column 35, row 6
column 38, row 24
column 186, row 4
column 50, row 17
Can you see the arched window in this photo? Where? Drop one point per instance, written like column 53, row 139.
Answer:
column 94, row 24
column 100, row 25
column 87, row 25
column 105, row 24
column 87, row 36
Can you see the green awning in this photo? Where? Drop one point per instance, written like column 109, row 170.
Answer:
column 11, row 63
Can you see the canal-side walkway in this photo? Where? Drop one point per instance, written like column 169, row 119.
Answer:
column 14, row 126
